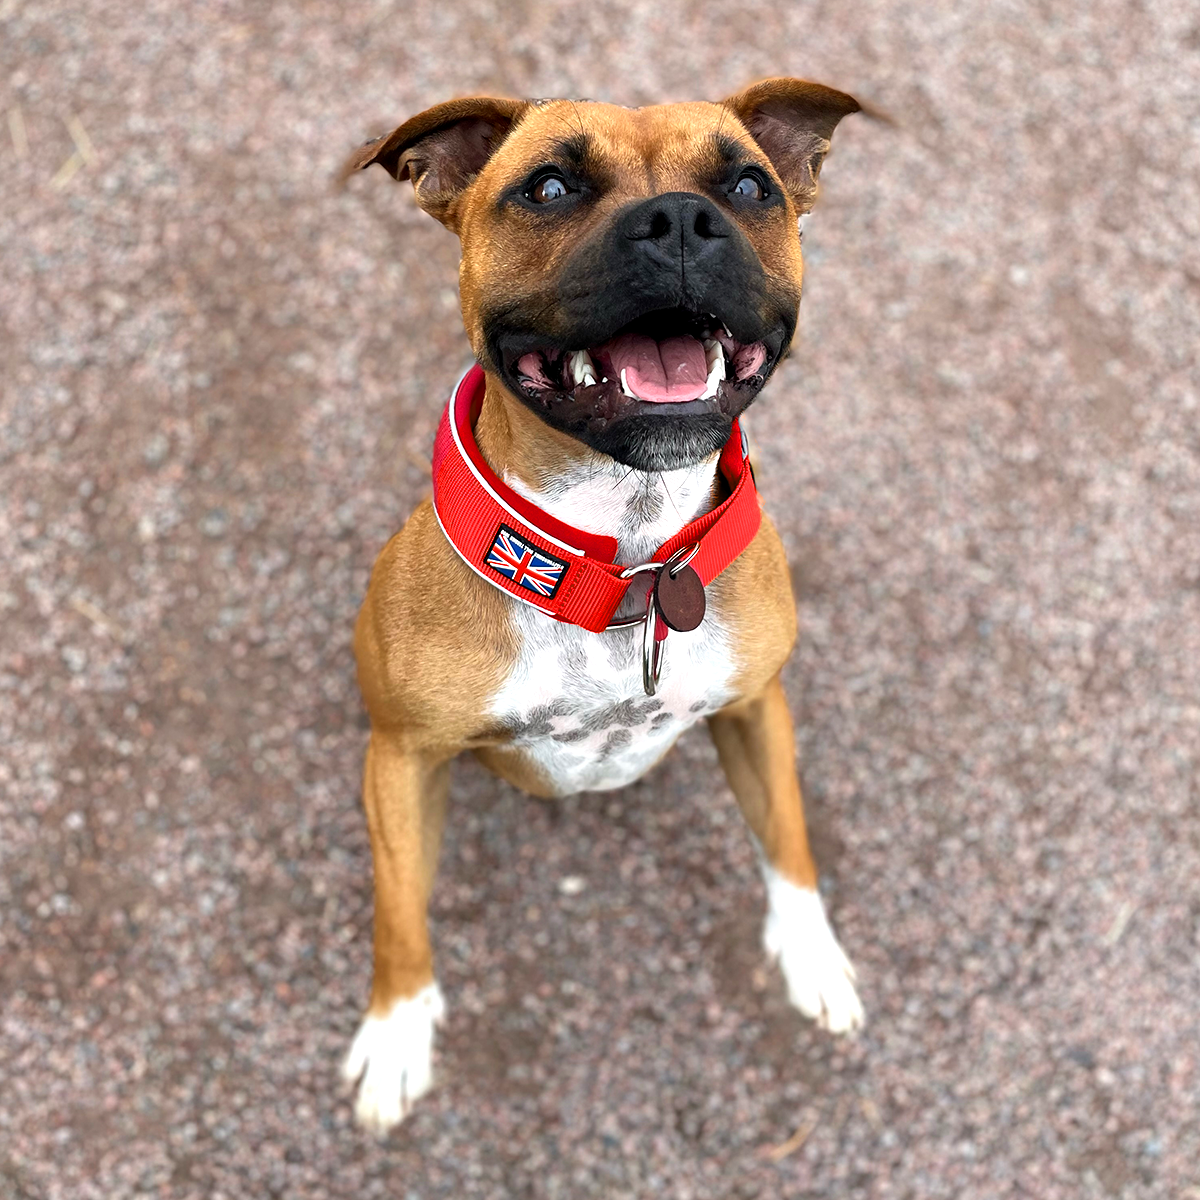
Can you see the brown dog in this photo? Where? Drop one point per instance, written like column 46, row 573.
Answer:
column 629, row 280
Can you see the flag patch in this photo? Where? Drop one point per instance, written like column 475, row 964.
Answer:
column 525, row 564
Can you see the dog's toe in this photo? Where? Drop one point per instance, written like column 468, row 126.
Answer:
column 391, row 1058
column 820, row 978
column 840, row 1011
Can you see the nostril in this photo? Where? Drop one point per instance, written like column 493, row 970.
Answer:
column 705, row 226
column 660, row 224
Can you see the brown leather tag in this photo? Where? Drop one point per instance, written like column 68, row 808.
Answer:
column 679, row 599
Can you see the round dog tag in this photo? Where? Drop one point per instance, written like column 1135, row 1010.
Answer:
column 679, row 598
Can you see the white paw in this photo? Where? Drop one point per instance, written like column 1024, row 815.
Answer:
column 820, row 979
column 394, row 1057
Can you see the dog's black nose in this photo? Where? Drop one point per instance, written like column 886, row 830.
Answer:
column 677, row 227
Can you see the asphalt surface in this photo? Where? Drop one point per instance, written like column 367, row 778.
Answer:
column 219, row 383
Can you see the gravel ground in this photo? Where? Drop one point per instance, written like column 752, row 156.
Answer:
column 219, row 382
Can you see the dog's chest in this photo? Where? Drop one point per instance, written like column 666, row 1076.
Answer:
column 573, row 700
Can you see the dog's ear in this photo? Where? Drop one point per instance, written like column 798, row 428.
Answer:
column 442, row 150
column 793, row 120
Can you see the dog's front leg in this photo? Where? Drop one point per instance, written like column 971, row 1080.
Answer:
column 755, row 743
column 404, row 793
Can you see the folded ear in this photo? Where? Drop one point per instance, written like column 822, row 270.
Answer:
column 793, row 120
column 442, row 149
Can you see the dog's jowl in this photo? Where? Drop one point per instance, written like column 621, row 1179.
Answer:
column 593, row 573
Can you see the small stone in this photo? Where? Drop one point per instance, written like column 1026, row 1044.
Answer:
column 155, row 452
column 214, row 523
column 75, row 658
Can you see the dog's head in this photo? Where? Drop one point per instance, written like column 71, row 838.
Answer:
column 632, row 275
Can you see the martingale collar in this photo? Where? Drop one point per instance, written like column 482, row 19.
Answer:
column 567, row 573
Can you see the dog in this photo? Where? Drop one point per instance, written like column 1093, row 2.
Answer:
column 593, row 573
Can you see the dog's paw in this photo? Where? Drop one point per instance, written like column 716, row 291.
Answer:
column 820, row 979
column 393, row 1055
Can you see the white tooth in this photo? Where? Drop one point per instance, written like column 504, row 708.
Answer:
column 625, row 386
column 589, row 380
column 583, row 370
column 715, row 356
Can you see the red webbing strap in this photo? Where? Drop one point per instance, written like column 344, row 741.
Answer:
column 463, row 410
column 472, row 504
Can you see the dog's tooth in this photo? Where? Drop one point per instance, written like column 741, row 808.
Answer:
column 582, row 369
column 625, row 386
column 589, row 380
column 714, row 353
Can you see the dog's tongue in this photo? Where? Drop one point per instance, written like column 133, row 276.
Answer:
column 666, row 372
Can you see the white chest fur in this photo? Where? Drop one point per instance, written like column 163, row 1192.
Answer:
column 574, row 699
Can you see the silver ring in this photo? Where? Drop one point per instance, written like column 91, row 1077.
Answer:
column 674, row 567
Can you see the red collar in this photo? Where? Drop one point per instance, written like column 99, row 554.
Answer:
column 566, row 572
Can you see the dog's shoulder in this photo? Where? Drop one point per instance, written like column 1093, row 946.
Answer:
column 433, row 641
column 756, row 591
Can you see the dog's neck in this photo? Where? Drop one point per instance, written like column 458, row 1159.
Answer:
column 590, row 491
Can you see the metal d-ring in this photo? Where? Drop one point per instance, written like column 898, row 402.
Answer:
column 629, row 573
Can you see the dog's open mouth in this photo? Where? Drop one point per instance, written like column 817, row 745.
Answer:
column 669, row 358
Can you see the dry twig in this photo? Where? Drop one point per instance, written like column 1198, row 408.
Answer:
column 780, row 1152
column 18, row 133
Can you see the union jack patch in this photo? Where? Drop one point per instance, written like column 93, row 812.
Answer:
column 525, row 564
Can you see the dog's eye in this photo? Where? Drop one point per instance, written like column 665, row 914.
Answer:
column 549, row 187
column 750, row 186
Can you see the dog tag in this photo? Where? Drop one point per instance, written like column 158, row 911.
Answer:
column 679, row 599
